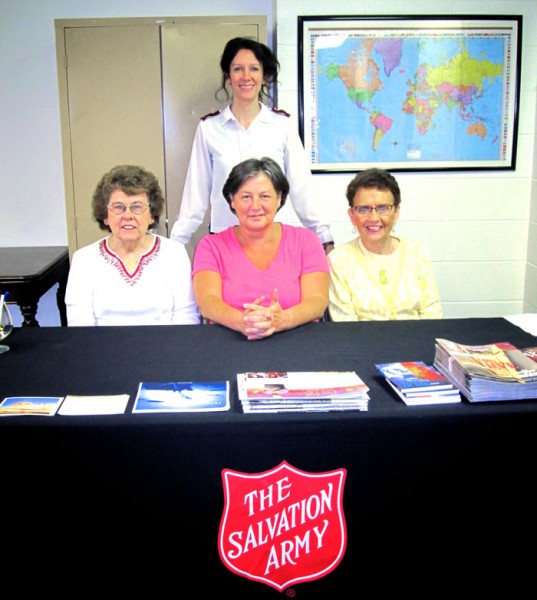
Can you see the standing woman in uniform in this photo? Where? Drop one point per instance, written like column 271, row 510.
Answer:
column 246, row 128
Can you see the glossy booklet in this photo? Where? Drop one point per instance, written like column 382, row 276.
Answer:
column 30, row 405
column 417, row 383
column 414, row 376
column 182, row 396
column 488, row 372
column 530, row 353
column 300, row 385
column 501, row 362
column 301, row 391
column 422, row 398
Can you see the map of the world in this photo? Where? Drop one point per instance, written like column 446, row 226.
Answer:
column 426, row 97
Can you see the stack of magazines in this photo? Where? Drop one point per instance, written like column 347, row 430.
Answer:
column 489, row 372
column 417, row 383
column 300, row 391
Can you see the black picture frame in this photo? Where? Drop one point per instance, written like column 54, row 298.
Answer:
column 459, row 111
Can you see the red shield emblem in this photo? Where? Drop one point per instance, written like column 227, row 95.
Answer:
column 283, row 526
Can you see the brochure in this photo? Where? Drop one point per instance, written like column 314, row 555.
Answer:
column 530, row 352
column 30, row 405
column 488, row 372
column 182, row 396
column 300, row 384
column 414, row 376
column 422, row 398
column 94, row 405
column 301, row 391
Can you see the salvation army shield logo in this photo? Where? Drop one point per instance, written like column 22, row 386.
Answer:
column 284, row 526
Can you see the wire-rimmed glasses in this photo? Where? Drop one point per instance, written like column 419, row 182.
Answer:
column 136, row 208
column 381, row 210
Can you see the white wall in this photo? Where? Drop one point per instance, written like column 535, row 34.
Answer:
column 476, row 225
column 530, row 295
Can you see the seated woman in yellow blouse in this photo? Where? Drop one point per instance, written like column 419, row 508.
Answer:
column 378, row 276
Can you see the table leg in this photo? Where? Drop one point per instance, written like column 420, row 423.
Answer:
column 60, row 300
column 29, row 312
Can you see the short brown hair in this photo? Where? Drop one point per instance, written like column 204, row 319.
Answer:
column 131, row 180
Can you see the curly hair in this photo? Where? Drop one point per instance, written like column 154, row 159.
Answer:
column 374, row 178
column 131, row 180
column 252, row 167
column 267, row 58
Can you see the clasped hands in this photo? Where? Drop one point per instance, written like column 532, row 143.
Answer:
column 262, row 321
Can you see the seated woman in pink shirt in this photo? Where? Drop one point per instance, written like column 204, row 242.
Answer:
column 260, row 276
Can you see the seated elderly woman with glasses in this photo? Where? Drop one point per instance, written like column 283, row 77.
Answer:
column 130, row 277
column 378, row 276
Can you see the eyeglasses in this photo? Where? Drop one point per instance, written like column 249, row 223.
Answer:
column 136, row 208
column 381, row 209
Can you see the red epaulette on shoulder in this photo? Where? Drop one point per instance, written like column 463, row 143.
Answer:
column 279, row 111
column 213, row 114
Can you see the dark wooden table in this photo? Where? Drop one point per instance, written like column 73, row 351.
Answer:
column 29, row 272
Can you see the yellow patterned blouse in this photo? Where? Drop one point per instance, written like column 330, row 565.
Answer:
column 372, row 287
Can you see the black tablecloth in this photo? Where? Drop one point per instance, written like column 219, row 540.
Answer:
column 437, row 498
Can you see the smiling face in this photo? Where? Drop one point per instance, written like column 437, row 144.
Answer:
column 256, row 202
column 374, row 229
column 128, row 228
column 246, row 76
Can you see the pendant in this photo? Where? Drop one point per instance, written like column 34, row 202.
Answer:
column 383, row 277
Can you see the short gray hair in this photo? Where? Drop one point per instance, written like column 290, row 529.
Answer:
column 252, row 167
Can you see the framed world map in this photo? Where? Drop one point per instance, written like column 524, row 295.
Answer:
column 409, row 93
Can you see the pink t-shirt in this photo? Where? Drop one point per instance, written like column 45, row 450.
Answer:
column 300, row 252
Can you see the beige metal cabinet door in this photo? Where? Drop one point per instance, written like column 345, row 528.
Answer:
column 114, row 111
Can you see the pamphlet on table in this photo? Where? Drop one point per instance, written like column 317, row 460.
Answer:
column 488, row 372
column 182, row 396
column 417, row 383
column 530, row 352
column 46, row 406
column 299, row 391
column 94, row 405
